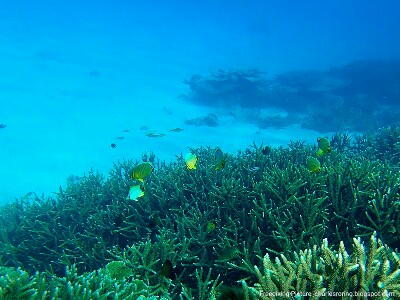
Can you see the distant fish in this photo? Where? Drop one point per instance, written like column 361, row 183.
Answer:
column 126, row 130
column 113, row 145
column 313, row 165
column 144, row 127
column 94, row 73
column 176, row 129
column 141, row 171
column 220, row 159
column 154, row 134
column 166, row 110
column 3, row 126
column 120, row 138
column 136, row 192
column 190, row 161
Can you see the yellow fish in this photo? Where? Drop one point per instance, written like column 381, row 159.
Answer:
column 323, row 146
column 313, row 165
column 141, row 171
column 190, row 161
column 220, row 158
column 136, row 192
column 210, row 226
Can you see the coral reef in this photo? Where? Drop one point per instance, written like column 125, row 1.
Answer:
column 321, row 273
column 359, row 96
column 227, row 87
column 210, row 120
column 90, row 242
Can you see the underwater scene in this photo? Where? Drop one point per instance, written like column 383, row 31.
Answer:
column 204, row 150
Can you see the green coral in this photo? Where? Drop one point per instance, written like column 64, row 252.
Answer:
column 257, row 202
column 15, row 284
column 322, row 273
column 133, row 276
column 118, row 270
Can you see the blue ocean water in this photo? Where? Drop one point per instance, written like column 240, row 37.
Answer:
column 77, row 75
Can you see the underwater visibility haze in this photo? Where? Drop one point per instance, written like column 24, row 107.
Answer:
column 199, row 150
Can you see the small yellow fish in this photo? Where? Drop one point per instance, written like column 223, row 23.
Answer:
column 141, row 171
column 313, row 165
column 176, row 129
column 136, row 192
column 190, row 161
column 323, row 146
column 210, row 226
column 220, row 159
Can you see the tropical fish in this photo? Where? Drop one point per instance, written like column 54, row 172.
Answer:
column 190, row 161
column 154, row 134
column 136, row 192
column 210, row 226
column 254, row 169
column 228, row 253
column 141, row 171
column 266, row 150
column 113, row 145
column 323, row 146
column 176, row 129
column 167, row 270
column 220, row 159
column 313, row 165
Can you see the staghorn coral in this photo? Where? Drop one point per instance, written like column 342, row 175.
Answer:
column 323, row 273
column 350, row 97
column 134, row 274
column 257, row 202
column 118, row 270
column 383, row 144
column 16, row 284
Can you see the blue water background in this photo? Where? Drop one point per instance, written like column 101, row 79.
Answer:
column 75, row 74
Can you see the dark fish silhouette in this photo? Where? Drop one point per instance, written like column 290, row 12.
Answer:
column 167, row 270
column 266, row 150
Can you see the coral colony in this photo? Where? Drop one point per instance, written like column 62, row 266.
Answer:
column 264, row 224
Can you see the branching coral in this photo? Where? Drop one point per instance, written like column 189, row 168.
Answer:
column 323, row 273
column 259, row 201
